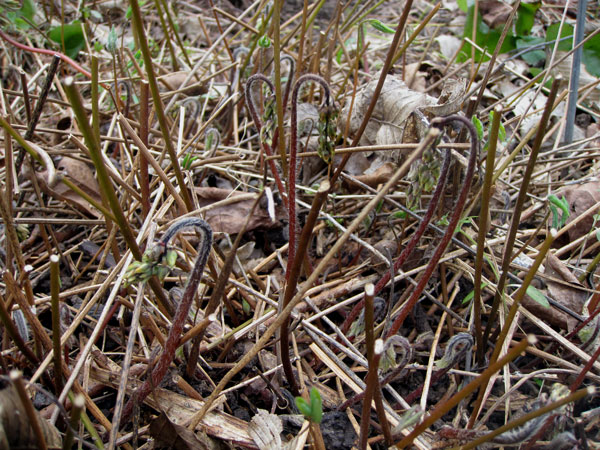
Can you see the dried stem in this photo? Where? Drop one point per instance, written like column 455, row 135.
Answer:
column 34, row 419
column 144, row 179
column 292, row 158
column 284, row 314
column 13, row 332
column 518, row 297
column 37, row 111
column 532, row 417
column 78, row 405
column 373, row 389
column 416, row 236
column 158, row 105
column 384, row 71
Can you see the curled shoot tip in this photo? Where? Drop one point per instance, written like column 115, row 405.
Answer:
column 157, row 260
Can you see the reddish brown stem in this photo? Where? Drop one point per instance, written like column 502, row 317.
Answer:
column 406, row 252
column 258, row 124
column 181, row 315
column 458, row 209
column 44, row 51
column 292, row 282
column 292, row 159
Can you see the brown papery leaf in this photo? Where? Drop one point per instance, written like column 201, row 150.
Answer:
column 80, row 174
column 174, row 81
column 562, row 287
column 230, row 217
column 170, row 435
column 580, row 198
column 494, row 13
column 15, row 429
column 395, row 106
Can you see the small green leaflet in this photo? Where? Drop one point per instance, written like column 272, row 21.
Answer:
column 535, row 294
column 313, row 411
column 554, row 203
column 501, row 130
column 471, row 294
column 111, row 40
column 478, row 127
column 264, row 41
column 73, row 35
column 380, row 26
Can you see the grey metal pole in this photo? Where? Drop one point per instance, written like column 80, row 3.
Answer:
column 575, row 70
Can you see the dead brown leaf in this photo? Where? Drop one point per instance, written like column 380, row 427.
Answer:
column 15, row 429
column 170, row 435
column 174, row 81
column 80, row 174
column 395, row 106
column 230, row 217
column 374, row 179
column 562, row 287
column 580, row 198
column 494, row 13
column 266, row 429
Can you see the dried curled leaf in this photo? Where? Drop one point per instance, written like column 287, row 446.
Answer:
column 394, row 107
column 15, row 429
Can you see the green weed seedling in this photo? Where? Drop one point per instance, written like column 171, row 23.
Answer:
column 555, row 203
column 313, row 411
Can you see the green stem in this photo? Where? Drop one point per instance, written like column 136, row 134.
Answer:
column 102, row 173
column 158, row 106
column 483, row 228
column 523, row 193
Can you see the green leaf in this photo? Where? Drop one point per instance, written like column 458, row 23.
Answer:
column 533, row 57
column 380, row 26
column 486, row 38
column 502, row 133
column 591, row 55
column 111, row 40
column 471, row 294
column 171, row 258
column 316, row 405
column 567, row 30
column 73, row 35
column 536, row 295
column 303, row 407
column 28, row 10
column 245, row 306
column 478, row 127
column 558, row 220
column 399, row 215
column 464, row 4
column 525, row 17
column 501, row 129
column 264, row 41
